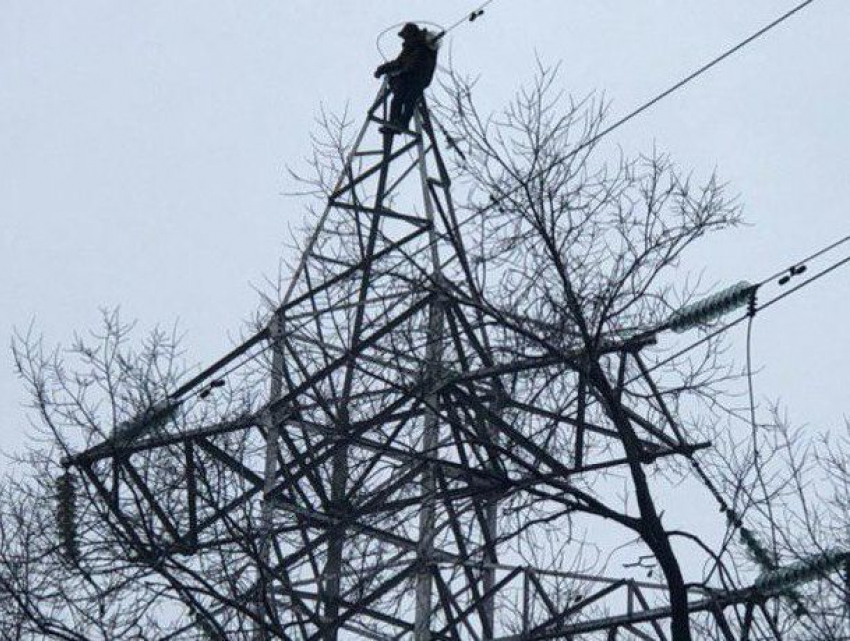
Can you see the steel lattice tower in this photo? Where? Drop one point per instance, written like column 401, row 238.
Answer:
column 359, row 496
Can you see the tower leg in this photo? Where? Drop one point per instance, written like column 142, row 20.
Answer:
column 332, row 572
column 265, row 596
column 430, row 436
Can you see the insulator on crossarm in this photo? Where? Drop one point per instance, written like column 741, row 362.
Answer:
column 152, row 418
column 756, row 549
column 712, row 307
column 802, row 571
column 66, row 516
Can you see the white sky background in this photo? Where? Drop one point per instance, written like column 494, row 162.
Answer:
column 143, row 146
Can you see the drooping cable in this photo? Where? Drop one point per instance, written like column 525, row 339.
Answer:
column 762, row 557
column 442, row 32
column 438, row 27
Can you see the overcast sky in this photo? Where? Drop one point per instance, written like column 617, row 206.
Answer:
column 143, row 146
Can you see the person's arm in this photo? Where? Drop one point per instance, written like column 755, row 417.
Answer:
column 399, row 65
column 388, row 68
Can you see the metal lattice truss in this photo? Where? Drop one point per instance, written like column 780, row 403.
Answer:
column 365, row 494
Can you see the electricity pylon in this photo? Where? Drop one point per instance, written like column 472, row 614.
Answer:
column 360, row 495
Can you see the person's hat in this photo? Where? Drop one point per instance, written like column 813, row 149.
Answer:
column 408, row 30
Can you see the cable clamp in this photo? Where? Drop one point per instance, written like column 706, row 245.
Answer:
column 752, row 301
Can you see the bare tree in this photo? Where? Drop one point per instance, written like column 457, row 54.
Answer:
column 64, row 574
column 790, row 486
column 476, row 414
column 579, row 251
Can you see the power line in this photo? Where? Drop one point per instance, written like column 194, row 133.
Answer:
column 495, row 200
column 468, row 17
column 724, row 328
column 805, row 260
column 754, row 308
column 748, row 538
column 810, row 280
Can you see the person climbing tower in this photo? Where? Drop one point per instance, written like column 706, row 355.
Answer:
column 409, row 74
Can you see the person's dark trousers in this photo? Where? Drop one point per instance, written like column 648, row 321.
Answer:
column 403, row 104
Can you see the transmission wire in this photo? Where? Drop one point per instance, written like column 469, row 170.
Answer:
column 724, row 328
column 469, row 17
column 622, row 121
column 802, row 261
column 733, row 518
column 495, row 200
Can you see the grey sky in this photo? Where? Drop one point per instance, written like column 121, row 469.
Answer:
column 142, row 148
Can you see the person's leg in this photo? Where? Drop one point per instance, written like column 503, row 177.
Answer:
column 396, row 108
column 411, row 100
column 405, row 98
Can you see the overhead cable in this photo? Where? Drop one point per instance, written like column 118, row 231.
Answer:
column 497, row 199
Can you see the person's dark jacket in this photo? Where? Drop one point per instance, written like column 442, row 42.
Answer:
column 414, row 66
